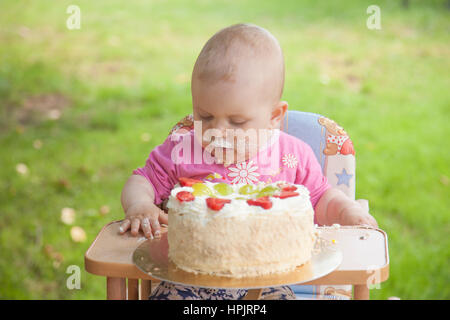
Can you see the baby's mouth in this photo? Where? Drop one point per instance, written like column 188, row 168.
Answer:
column 221, row 143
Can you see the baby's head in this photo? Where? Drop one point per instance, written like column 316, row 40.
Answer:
column 238, row 80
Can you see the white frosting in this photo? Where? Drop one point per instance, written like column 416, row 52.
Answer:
column 238, row 207
column 221, row 143
column 240, row 240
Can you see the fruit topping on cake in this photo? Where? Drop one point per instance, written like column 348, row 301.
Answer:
column 201, row 189
column 289, row 188
column 263, row 202
column 216, row 203
column 286, row 194
column 268, row 191
column 185, row 196
column 247, row 189
column 223, row 189
column 217, row 195
column 188, row 182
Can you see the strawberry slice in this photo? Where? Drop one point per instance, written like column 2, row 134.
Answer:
column 263, row 202
column 188, row 182
column 216, row 203
column 289, row 188
column 286, row 194
column 185, row 196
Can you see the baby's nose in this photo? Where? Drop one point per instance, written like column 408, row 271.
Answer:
column 221, row 125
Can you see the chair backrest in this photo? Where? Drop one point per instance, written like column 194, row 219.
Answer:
column 331, row 145
column 334, row 151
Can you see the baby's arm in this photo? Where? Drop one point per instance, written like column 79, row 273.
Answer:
column 335, row 207
column 140, row 211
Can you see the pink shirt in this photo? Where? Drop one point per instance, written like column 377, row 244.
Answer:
column 290, row 160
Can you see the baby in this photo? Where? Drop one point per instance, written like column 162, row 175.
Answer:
column 237, row 83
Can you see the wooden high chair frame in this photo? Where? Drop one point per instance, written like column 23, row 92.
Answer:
column 365, row 251
column 365, row 262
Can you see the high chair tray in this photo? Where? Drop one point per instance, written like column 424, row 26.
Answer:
column 364, row 250
column 151, row 257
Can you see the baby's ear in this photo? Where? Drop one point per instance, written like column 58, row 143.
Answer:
column 278, row 113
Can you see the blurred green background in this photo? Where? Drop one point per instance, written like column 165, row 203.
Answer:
column 80, row 109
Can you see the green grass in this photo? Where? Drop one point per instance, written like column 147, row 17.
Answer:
column 126, row 72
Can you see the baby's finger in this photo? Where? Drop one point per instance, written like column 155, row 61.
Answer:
column 163, row 217
column 124, row 226
column 135, row 223
column 145, row 224
column 369, row 222
column 364, row 204
column 373, row 222
column 156, row 228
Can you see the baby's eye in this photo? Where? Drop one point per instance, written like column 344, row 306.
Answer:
column 238, row 122
column 206, row 118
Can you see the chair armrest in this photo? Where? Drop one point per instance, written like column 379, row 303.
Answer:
column 110, row 254
column 365, row 255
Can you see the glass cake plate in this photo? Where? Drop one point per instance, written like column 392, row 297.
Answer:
column 151, row 257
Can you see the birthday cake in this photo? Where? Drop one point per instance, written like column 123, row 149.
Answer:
column 239, row 230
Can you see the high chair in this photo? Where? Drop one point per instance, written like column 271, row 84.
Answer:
column 365, row 250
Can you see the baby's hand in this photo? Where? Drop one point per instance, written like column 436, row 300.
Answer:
column 145, row 215
column 357, row 214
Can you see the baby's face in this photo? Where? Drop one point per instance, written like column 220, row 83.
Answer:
column 233, row 105
column 225, row 106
